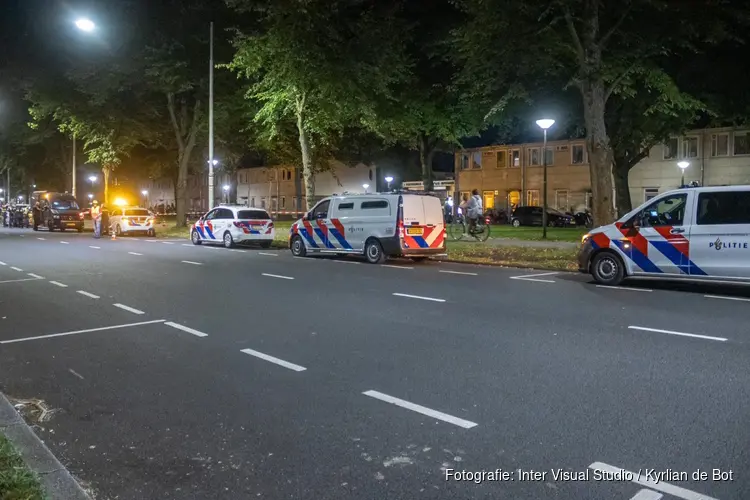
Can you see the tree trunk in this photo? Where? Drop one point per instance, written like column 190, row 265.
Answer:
column 621, row 169
column 426, row 153
column 599, row 150
column 304, row 146
column 106, row 171
column 185, row 144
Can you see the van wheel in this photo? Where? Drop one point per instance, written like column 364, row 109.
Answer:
column 374, row 252
column 607, row 268
column 195, row 237
column 516, row 223
column 228, row 240
column 298, row 247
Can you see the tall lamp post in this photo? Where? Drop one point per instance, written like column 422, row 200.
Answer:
column 211, row 161
column 87, row 26
column 145, row 197
column 388, row 180
column 226, row 193
column 683, row 166
column 544, row 125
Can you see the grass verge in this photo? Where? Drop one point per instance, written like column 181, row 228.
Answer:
column 563, row 259
column 17, row 482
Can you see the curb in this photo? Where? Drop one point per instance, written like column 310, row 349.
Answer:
column 57, row 482
column 506, row 266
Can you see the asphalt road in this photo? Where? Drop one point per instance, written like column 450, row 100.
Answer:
column 203, row 373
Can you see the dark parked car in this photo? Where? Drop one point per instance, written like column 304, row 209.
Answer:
column 532, row 216
column 60, row 211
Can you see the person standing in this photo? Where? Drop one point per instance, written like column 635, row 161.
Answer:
column 96, row 217
column 37, row 215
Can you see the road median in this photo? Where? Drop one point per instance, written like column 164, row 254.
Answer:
column 553, row 258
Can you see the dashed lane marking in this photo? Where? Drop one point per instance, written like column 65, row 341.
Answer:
column 41, row 239
column 347, row 261
column 95, row 248
column 16, row 268
column 643, row 480
column 187, row 245
column 739, row 299
column 466, row 424
column 135, row 253
column 272, row 359
column 64, row 243
column 681, row 334
column 57, row 283
column 17, row 281
column 76, row 373
column 191, row 262
column 129, row 309
column 419, row 297
column 647, row 495
column 277, row 276
column 3, row 264
column 76, row 332
column 35, row 276
column 269, row 254
column 186, row 329
column 87, row 294
column 458, row 272
column 396, row 267
column 167, row 243
column 625, row 288
column 534, row 277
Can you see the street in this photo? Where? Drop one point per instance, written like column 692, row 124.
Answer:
column 198, row 372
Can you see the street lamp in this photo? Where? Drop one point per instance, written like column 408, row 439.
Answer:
column 683, row 166
column 85, row 24
column 226, row 193
column 544, row 124
column 20, row 197
column 365, row 186
column 389, row 179
column 91, row 197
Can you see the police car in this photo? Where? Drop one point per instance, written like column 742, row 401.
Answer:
column 232, row 224
column 130, row 220
column 376, row 225
column 698, row 233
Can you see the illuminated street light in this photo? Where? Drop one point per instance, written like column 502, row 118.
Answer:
column 85, row 24
column 20, row 197
column 144, row 192
column 683, row 166
column 544, row 124
column 389, row 179
column 365, row 186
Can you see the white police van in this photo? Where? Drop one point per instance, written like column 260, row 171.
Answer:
column 698, row 233
column 233, row 224
column 377, row 226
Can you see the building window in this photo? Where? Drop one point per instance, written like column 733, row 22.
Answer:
column 650, row 193
column 742, row 143
column 464, row 161
column 549, row 156
column 515, row 158
column 532, row 197
column 561, row 201
column 283, row 202
column 690, row 147
column 534, row 158
column 501, row 159
column 670, row 149
column 476, row 160
column 719, row 144
column 576, row 154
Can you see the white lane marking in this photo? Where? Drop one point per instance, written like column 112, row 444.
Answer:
column 459, row 272
column 135, row 253
column 151, row 241
column 533, row 279
column 76, row 373
column 187, row 245
column 64, row 243
column 347, row 261
column 115, row 327
column 466, row 424
column 3, row 264
column 670, row 332
column 129, row 309
column 269, row 254
column 396, row 267
column 87, row 294
column 35, row 276
column 667, row 488
column 625, row 288
column 536, row 275
column 211, row 247
column 647, row 495
column 277, row 276
column 191, row 262
column 16, row 268
column 271, row 359
column 418, row 297
column 22, row 235
column 235, row 250
column 167, row 243
column 16, row 281
column 57, row 283
column 186, row 329
column 40, row 239
column 741, row 299
column 134, row 239
column 95, row 248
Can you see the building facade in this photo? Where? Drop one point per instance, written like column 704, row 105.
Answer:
column 512, row 175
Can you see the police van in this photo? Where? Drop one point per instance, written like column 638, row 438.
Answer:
column 692, row 233
column 377, row 226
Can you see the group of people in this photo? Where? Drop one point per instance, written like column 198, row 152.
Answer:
column 470, row 206
column 14, row 215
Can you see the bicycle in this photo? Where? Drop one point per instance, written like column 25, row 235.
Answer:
column 460, row 228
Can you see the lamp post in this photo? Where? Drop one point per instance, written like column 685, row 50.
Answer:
column 365, row 186
column 87, row 26
column 91, row 197
column 145, row 196
column 683, row 166
column 388, row 180
column 544, row 124
column 211, row 161
column 226, row 193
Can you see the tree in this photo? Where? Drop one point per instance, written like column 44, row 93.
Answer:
column 592, row 49
column 318, row 64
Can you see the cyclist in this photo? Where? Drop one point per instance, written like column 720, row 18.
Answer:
column 473, row 208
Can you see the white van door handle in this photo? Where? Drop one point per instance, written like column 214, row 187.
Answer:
column 677, row 230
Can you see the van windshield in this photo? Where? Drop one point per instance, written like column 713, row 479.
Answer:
column 65, row 204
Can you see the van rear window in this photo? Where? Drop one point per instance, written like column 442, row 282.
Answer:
column 374, row 204
column 346, row 206
column 252, row 214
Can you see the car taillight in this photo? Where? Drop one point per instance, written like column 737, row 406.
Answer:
column 270, row 225
column 486, row 220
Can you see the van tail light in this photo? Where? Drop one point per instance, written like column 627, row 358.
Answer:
column 400, row 225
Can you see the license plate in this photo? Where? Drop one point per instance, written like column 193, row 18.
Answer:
column 414, row 230
column 70, row 223
column 256, row 228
